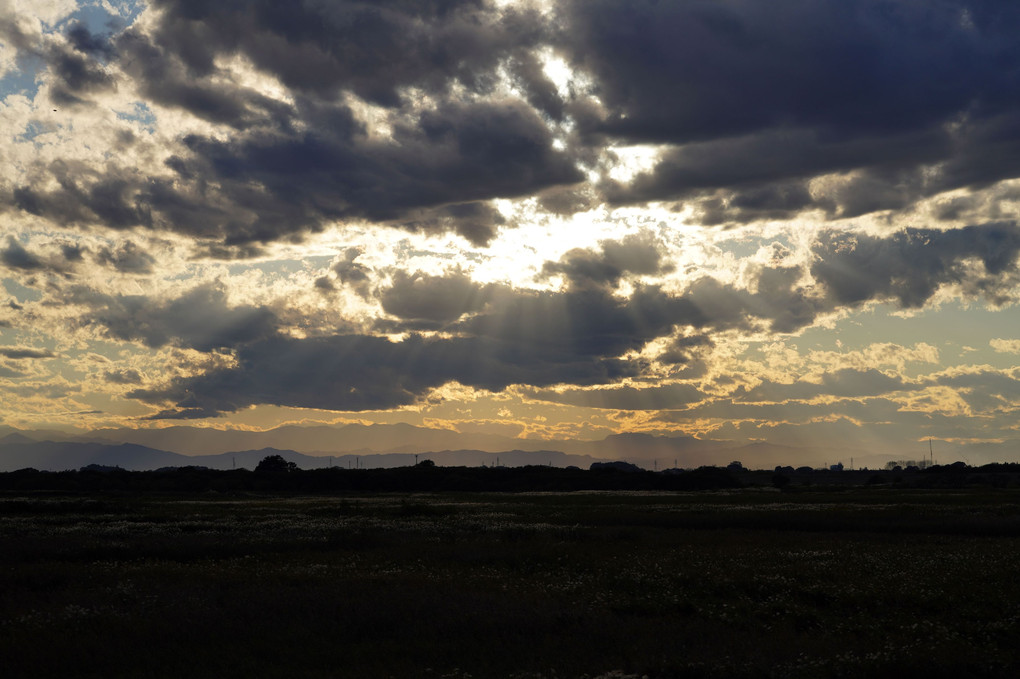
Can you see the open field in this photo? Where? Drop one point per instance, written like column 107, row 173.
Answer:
column 756, row 583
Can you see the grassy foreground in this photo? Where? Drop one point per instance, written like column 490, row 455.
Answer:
column 755, row 583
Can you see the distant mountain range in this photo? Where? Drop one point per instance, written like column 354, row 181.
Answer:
column 378, row 438
column 391, row 445
column 348, row 446
column 18, row 452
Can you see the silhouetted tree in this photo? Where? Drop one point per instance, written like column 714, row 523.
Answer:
column 780, row 481
column 616, row 466
column 275, row 463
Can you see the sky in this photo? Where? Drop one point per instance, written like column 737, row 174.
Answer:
column 791, row 221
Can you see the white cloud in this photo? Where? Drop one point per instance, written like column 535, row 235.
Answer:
column 1005, row 346
column 49, row 12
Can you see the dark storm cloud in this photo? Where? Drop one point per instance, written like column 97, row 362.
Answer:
column 781, row 303
column 704, row 69
column 464, row 152
column 87, row 42
column 165, row 80
column 592, row 321
column 754, row 162
column 200, row 319
column 219, row 251
column 15, row 256
column 324, row 284
column 434, row 300
column 127, row 258
column 849, row 270
column 476, row 222
column 781, row 200
column 72, row 252
column 585, row 320
column 558, row 331
column 352, row 273
column 684, row 350
column 497, row 335
column 567, row 200
column 77, row 77
column 267, row 184
column 118, row 199
column 356, row 372
column 755, row 95
column 910, row 266
column 78, row 67
column 321, row 48
column 541, row 93
column 292, row 167
column 635, row 254
column 751, row 101
column 443, row 159
column 903, row 100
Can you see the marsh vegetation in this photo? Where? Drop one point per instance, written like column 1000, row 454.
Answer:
column 755, row 583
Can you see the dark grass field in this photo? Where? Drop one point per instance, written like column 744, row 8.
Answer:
column 751, row 583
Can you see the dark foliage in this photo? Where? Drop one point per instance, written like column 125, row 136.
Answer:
column 274, row 473
column 275, row 464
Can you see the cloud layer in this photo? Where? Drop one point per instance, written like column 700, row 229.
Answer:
column 667, row 213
